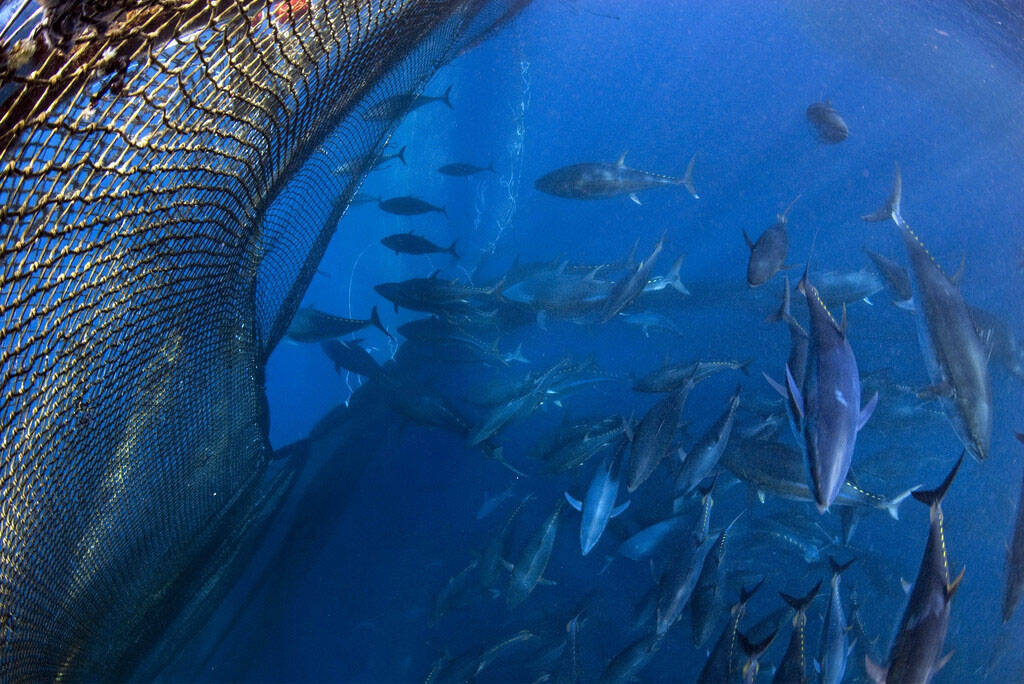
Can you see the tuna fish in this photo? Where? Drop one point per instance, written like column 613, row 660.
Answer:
column 671, row 377
column 409, row 243
column 954, row 353
column 707, row 605
column 313, row 325
column 793, row 668
column 826, row 122
column 629, row 287
column 528, row 570
column 916, row 653
column 828, row 406
column 680, row 578
column 350, row 356
column 599, row 181
column 1015, row 559
column 753, row 651
column 720, row 665
column 835, row 648
column 460, row 170
column 768, row 254
column 598, row 506
column 703, row 457
column 896, row 279
column 654, row 436
column 390, row 108
column 625, row 666
column 408, row 206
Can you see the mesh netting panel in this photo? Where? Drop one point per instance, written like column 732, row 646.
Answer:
column 166, row 191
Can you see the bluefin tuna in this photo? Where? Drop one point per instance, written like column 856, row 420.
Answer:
column 408, row 205
column 793, row 667
column 654, row 436
column 753, row 651
column 600, row 181
column 528, row 570
column 629, row 287
column 702, row 459
column 410, row 243
column 313, row 325
column 826, row 122
column 598, row 506
column 391, row 108
column 916, row 653
column 768, row 254
column 720, row 665
column 828, row 405
column 956, row 358
column 459, row 169
column 835, row 646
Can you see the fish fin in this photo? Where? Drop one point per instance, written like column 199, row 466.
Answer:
column 495, row 593
column 444, row 211
column 906, row 305
column 800, row 603
column 794, row 392
column 842, row 321
column 746, row 237
column 891, row 208
column 451, row 250
column 620, row 509
column 783, row 313
column 867, row 300
column 746, row 594
column 542, row 320
column 905, row 586
column 622, row 160
column 837, row 567
column 547, row 582
column 782, row 217
column 574, row 502
column 401, row 155
column 955, row 584
column 760, row 496
column 817, row 667
column 892, row 506
column 941, row 662
column 508, row 566
column 933, row 497
column 1020, row 437
column 865, row 413
column 849, row 649
column 627, row 428
column 636, row 200
column 375, row 321
column 958, row 276
column 433, row 276
column 672, row 277
column 688, row 178
column 876, row 672
column 446, row 98
column 396, row 307
column 776, row 386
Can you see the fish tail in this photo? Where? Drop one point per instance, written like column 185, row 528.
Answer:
column 375, row 321
column 800, row 603
column 401, row 156
column 444, row 211
column 687, row 179
column 837, row 567
column 933, row 497
column 673, row 276
column 891, row 208
column 490, row 167
column 754, row 649
column 746, row 594
column 451, row 250
column 1020, row 437
column 783, row 314
column 446, row 96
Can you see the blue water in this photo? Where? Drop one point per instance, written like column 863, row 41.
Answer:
column 575, row 82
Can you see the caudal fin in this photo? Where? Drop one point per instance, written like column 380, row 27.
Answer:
column 783, row 313
column 446, row 98
column 933, row 497
column 891, row 208
column 401, row 156
column 892, row 506
column 837, row 567
column 746, row 594
column 375, row 321
column 688, row 178
column 755, row 649
column 672, row 277
column 451, row 250
column 800, row 603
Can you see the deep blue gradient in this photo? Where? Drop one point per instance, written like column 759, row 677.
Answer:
column 576, row 82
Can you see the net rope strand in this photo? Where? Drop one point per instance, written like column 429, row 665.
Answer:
column 165, row 197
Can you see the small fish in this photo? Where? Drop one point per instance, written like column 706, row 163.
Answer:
column 461, row 170
column 826, row 122
column 312, row 325
column 768, row 254
column 391, row 108
column 600, row 181
column 408, row 243
column 408, row 206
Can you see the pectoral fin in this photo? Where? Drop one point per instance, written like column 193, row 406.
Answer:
column 794, row 392
column 865, row 413
column 618, row 510
column 636, row 200
column 574, row 502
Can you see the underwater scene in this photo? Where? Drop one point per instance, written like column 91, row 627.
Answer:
column 654, row 342
column 698, row 328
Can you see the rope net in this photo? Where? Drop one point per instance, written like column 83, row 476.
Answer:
column 166, row 192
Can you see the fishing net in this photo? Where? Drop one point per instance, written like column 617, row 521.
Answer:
column 167, row 187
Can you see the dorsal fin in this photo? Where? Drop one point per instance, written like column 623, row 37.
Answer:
column 782, row 217
column 958, row 276
column 433, row 275
column 622, row 160
column 842, row 321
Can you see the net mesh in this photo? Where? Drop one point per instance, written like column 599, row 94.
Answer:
column 166, row 191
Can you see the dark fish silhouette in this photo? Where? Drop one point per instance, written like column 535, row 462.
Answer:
column 793, row 668
column 369, row 162
column 599, row 181
column 390, row 108
column 720, row 666
column 671, row 377
column 768, row 254
column 351, row 356
column 828, row 125
column 799, row 341
column 702, row 459
column 408, row 206
column 834, row 648
column 896, row 279
column 629, row 287
column 916, row 653
column 431, row 295
column 460, row 170
column 654, row 435
column 751, row 667
column 312, row 325
column 408, row 243
column 955, row 355
column 1015, row 559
